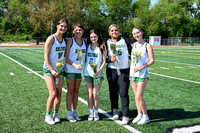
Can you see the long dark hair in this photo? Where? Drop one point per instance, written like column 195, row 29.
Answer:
column 101, row 43
column 61, row 21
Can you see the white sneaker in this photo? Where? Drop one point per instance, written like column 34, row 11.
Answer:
column 124, row 121
column 70, row 117
column 75, row 114
column 49, row 120
column 90, row 117
column 56, row 117
column 115, row 114
column 136, row 119
column 143, row 121
column 96, row 116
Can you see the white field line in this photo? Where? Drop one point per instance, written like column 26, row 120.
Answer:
column 193, row 67
column 164, row 68
column 17, row 48
column 179, row 56
column 35, row 71
column 178, row 67
column 181, row 52
column 36, row 50
column 150, row 68
column 193, row 129
column 12, row 74
column 178, row 63
column 131, row 129
column 22, row 65
column 174, row 78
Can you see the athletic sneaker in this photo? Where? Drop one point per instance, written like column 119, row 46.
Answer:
column 56, row 117
column 96, row 116
column 136, row 119
column 75, row 114
column 90, row 117
column 143, row 121
column 115, row 114
column 70, row 117
column 124, row 121
column 49, row 120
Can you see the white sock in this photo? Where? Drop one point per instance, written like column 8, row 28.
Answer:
column 96, row 111
column 140, row 115
column 146, row 116
column 91, row 110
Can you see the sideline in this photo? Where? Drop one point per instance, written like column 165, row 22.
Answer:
column 131, row 129
column 174, row 78
column 178, row 63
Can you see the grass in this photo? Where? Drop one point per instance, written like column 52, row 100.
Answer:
column 170, row 102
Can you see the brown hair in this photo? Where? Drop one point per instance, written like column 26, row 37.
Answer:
column 101, row 43
column 137, row 28
column 78, row 25
column 61, row 21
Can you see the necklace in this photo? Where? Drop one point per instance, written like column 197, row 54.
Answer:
column 94, row 46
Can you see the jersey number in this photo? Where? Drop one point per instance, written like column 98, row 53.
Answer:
column 60, row 55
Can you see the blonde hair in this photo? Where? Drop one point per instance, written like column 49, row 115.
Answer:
column 113, row 25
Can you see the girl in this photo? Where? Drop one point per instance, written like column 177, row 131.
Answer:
column 141, row 58
column 96, row 60
column 118, row 82
column 75, row 60
column 55, row 46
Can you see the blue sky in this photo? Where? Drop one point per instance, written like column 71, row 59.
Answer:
column 154, row 1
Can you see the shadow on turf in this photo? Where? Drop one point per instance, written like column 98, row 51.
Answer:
column 168, row 114
column 85, row 118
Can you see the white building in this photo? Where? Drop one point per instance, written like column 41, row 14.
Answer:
column 155, row 40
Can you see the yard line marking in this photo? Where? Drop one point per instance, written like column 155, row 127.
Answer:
column 12, row 74
column 133, row 130
column 193, row 129
column 193, row 67
column 178, row 56
column 22, row 65
column 17, row 48
column 174, row 78
column 35, row 71
column 164, row 68
column 178, row 63
column 178, row 67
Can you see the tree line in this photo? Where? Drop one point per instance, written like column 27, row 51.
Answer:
column 37, row 18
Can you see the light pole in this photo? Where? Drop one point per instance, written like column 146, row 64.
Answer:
column 51, row 20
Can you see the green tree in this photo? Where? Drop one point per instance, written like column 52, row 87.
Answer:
column 119, row 12
column 43, row 11
column 15, row 18
column 142, row 16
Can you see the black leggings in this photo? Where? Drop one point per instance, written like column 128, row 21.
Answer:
column 119, row 85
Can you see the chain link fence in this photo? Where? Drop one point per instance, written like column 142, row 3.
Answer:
column 181, row 41
column 171, row 41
